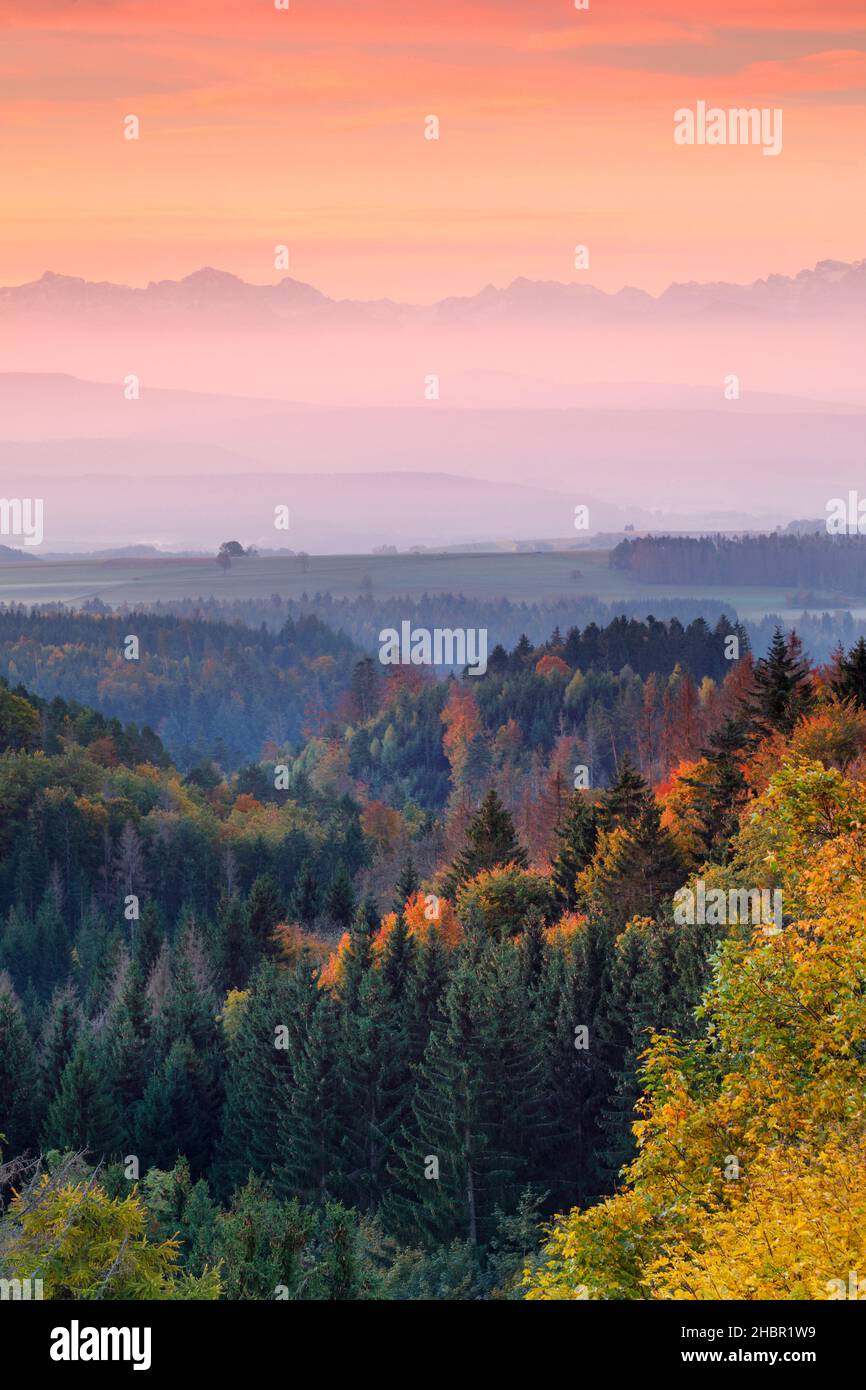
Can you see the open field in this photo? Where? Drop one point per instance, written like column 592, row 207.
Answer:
column 534, row 577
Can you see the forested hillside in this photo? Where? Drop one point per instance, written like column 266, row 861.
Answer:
column 286, row 1032
column 215, row 689
column 835, row 562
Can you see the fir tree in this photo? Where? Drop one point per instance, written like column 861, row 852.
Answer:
column 313, row 1122
column 178, row 1111
column 148, row 936
column 272, row 1025
column 397, row 960
column 236, row 949
column 476, row 1108
column 376, row 1084
column 566, row 1014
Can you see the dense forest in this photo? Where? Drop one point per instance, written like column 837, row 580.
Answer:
column 359, row 1017
column 821, row 562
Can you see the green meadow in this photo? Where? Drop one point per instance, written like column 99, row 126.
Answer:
column 533, row 577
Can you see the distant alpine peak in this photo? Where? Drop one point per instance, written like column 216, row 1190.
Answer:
column 831, row 285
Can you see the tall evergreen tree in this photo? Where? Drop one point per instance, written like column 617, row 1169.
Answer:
column 59, row 1037
column 625, row 799
column 20, row 1090
column 264, row 910
column 476, row 1108
column 782, row 687
column 236, row 948
column 851, row 681
column 720, row 790
column 305, row 896
column 313, row 1123
column 490, row 840
column 574, row 849
column 340, row 900
column 643, row 869
column 407, row 884
column 178, row 1112
column 83, row 1114
column 271, row 1027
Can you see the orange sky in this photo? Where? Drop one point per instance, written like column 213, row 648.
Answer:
column 261, row 127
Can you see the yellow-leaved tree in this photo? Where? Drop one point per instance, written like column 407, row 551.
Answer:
column 750, row 1177
column 84, row 1244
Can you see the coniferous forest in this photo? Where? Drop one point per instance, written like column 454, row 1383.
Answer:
column 326, row 981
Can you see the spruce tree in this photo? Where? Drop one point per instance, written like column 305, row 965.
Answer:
column 407, row 885
column 397, row 958
column 575, row 1085
column 643, row 870
column 20, row 1092
column 575, row 847
column 305, row 900
column 148, row 936
column 720, row 791
column 426, row 986
column 490, row 841
column 377, row 1083
column 271, row 1026
column 783, row 689
column 236, row 948
column 313, row 1122
column 476, row 1113
column 625, row 799
column 83, row 1114
column 340, row 900
column 59, row 1037
column 851, row 682
column 264, row 910
column 178, row 1113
